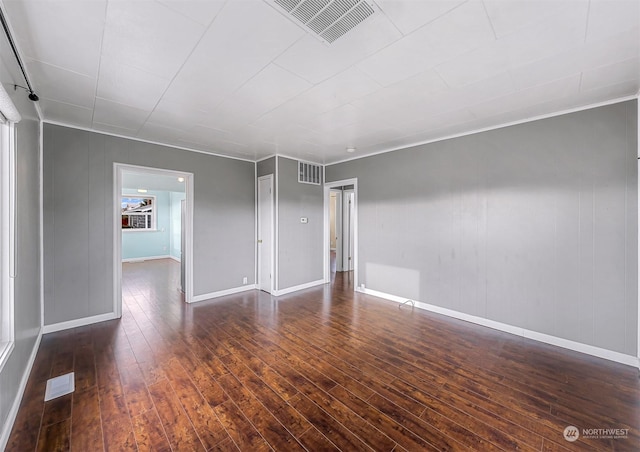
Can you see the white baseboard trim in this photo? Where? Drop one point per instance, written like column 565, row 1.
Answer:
column 221, row 293
column 78, row 322
column 13, row 413
column 518, row 331
column 142, row 259
column 308, row 285
column 177, row 259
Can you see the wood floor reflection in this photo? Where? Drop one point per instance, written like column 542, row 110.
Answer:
column 322, row 369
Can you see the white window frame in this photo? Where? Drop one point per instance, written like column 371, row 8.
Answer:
column 154, row 213
column 7, row 239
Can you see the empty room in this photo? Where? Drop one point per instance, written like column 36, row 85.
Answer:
column 389, row 225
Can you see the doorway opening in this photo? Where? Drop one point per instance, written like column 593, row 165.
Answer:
column 340, row 229
column 153, row 221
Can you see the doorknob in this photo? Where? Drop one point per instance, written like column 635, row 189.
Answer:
column 259, row 241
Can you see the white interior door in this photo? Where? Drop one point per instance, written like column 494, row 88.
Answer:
column 265, row 233
column 348, row 230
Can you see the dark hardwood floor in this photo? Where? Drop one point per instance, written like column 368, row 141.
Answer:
column 322, row 369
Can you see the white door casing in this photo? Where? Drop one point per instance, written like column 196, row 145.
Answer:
column 338, row 229
column 265, row 233
column 187, row 231
column 353, row 236
column 348, row 232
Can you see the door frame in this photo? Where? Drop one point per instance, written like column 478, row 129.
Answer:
column 271, row 221
column 338, row 225
column 325, row 250
column 118, row 169
column 347, row 227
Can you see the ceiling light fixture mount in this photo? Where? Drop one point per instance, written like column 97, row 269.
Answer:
column 32, row 95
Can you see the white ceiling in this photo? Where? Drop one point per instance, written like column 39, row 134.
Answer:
column 238, row 78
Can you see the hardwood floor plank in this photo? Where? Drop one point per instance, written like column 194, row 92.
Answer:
column 243, row 433
column 494, row 429
column 382, row 422
column 117, row 430
column 274, row 380
column 304, row 380
column 179, row 429
column 84, row 367
column 279, row 408
column 335, row 432
column 312, row 440
column 226, row 446
column 202, row 416
column 135, row 390
column 107, row 374
column 55, row 437
column 62, row 362
column 439, row 439
column 262, row 419
column 320, row 369
column 57, row 410
column 86, row 425
column 149, row 432
column 24, row 435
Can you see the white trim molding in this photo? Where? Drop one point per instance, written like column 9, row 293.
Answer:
column 325, row 246
column 275, row 279
column 222, row 293
column 118, row 169
column 15, row 406
column 79, row 322
column 255, row 222
column 308, row 285
column 41, row 219
column 8, row 238
column 517, row 331
column 638, row 231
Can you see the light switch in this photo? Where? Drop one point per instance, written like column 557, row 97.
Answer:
column 304, row 220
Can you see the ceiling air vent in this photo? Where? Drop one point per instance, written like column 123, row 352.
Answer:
column 327, row 19
column 309, row 173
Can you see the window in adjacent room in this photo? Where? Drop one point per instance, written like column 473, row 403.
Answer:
column 138, row 213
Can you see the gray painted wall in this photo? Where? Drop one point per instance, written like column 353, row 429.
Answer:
column 533, row 225
column 78, row 218
column 267, row 166
column 27, row 319
column 300, row 245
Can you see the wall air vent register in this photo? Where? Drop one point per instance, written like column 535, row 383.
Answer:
column 326, row 19
column 309, row 173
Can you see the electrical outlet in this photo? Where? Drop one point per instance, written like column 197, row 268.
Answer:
column 244, row 280
column 164, row 248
